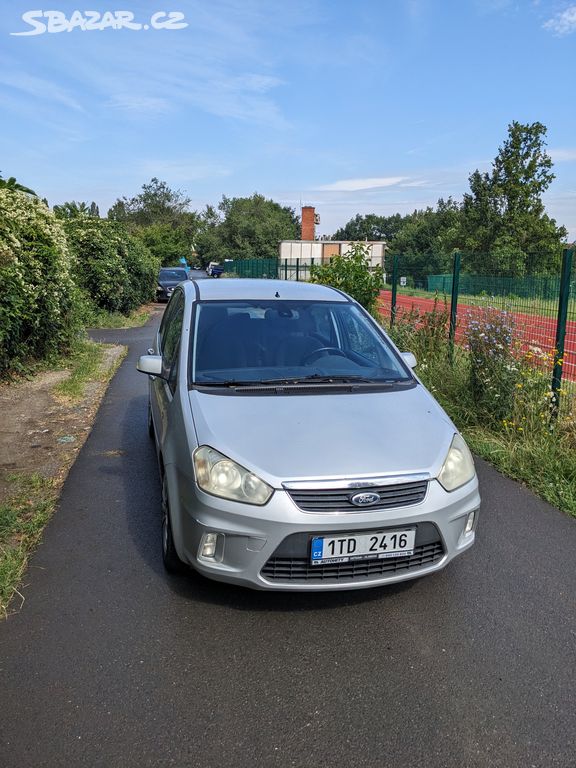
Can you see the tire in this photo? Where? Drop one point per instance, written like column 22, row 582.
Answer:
column 150, row 422
column 172, row 562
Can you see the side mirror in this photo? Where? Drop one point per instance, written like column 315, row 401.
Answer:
column 410, row 359
column 150, row 364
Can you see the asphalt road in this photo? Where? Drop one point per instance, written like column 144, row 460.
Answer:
column 111, row 662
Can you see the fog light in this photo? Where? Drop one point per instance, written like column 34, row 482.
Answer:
column 470, row 522
column 208, row 546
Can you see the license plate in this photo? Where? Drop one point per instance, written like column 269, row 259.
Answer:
column 374, row 545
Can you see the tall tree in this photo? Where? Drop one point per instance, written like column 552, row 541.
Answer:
column 247, row 228
column 160, row 216
column 370, row 227
column 157, row 203
column 505, row 229
column 427, row 239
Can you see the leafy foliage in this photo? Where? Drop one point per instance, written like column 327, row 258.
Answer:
column 39, row 310
column 246, row 228
column 500, row 225
column 351, row 272
column 14, row 186
column 73, row 209
column 371, row 227
column 505, row 230
column 115, row 269
column 162, row 219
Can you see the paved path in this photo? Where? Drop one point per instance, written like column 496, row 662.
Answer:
column 112, row 663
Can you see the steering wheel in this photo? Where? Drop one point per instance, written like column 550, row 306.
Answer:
column 322, row 351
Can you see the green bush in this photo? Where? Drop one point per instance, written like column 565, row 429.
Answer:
column 39, row 310
column 115, row 270
column 352, row 273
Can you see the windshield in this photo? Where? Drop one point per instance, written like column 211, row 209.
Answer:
column 173, row 274
column 269, row 342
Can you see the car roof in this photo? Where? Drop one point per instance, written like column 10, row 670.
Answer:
column 231, row 288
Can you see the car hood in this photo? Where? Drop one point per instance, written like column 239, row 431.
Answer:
column 325, row 436
column 170, row 283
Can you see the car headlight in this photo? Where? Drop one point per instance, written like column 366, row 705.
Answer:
column 458, row 468
column 159, row 288
column 220, row 476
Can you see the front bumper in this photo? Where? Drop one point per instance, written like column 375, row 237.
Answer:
column 269, row 547
column 164, row 294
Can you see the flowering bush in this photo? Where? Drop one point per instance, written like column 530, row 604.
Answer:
column 39, row 309
column 494, row 370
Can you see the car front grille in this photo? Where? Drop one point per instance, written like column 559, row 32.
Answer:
column 338, row 500
column 290, row 563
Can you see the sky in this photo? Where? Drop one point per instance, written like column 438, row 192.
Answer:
column 371, row 106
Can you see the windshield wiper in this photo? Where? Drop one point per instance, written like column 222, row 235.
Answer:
column 314, row 378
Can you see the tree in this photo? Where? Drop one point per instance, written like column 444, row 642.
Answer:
column 157, row 203
column 246, row 228
column 427, row 239
column 14, row 186
column 160, row 216
column 370, row 227
column 73, row 209
column 351, row 272
column 505, row 229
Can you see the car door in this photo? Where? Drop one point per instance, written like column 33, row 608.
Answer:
column 169, row 337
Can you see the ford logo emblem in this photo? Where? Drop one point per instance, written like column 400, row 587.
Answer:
column 365, row 499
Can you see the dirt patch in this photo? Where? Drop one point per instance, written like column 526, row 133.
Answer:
column 42, row 432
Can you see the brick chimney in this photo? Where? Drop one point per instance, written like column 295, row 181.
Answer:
column 308, row 221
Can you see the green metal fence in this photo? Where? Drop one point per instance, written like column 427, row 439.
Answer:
column 490, row 285
column 258, row 268
column 542, row 309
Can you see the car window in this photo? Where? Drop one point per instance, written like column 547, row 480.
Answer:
column 269, row 340
column 170, row 341
column 358, row 336
column 173, row 274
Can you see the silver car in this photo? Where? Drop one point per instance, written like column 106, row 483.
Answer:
column 297, row 449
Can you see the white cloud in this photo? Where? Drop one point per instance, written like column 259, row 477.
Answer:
column 355, row 185
column 39, row 89
column 563, row 23
column 417, row 183
column 137, row 104
column 562, row 155
column 178, row 172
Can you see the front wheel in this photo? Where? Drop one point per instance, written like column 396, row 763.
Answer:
column 150, row 422
column 172, row 562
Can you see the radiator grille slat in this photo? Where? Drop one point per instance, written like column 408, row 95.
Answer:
column 338, row 500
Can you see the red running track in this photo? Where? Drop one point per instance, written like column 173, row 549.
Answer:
column 533, row 331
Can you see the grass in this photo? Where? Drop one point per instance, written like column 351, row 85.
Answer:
column 546, row 464
column 31, row 498
column 522, row 443
column 83, row 363
column 102, row 319
column 23, row 515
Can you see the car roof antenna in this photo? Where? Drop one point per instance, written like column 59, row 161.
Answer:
column 276, row 295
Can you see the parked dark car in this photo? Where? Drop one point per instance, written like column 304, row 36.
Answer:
column 168, row 279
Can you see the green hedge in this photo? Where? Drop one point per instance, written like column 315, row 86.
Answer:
column 115, row 270
column 38, row 306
